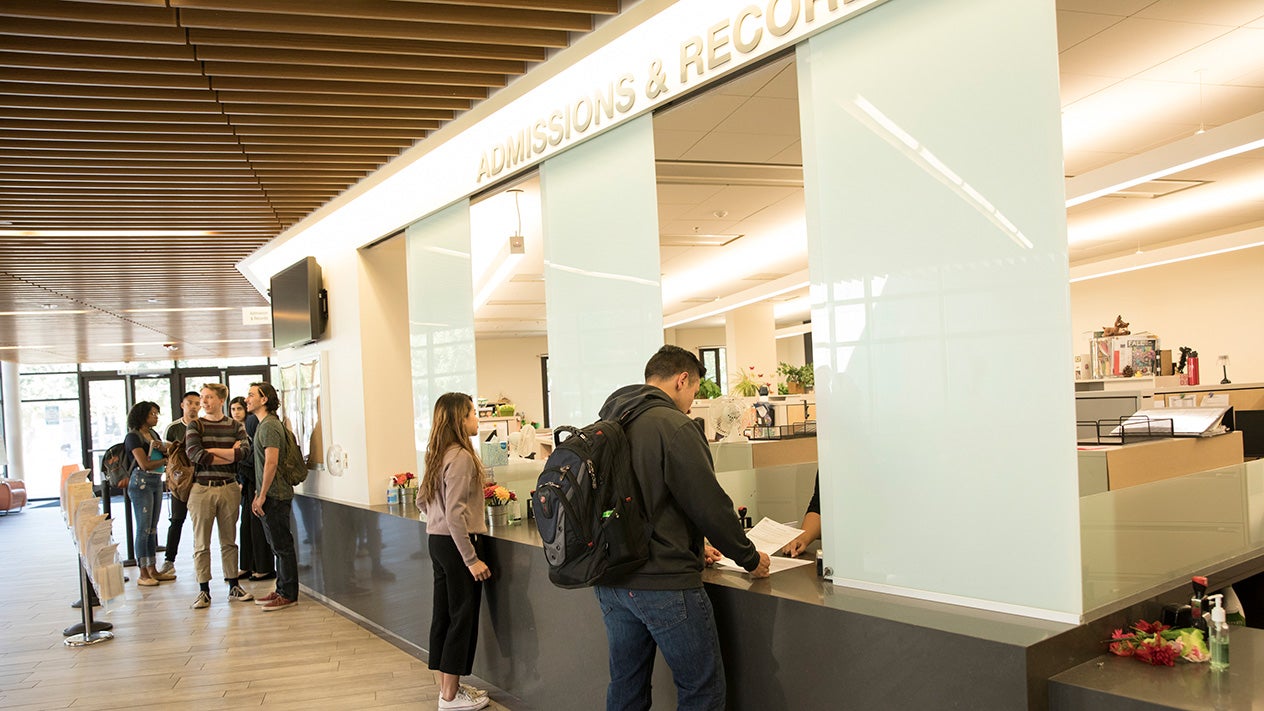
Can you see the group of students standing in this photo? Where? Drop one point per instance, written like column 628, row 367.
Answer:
column 221, row 471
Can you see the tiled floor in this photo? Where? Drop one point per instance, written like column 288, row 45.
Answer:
column 166, row 655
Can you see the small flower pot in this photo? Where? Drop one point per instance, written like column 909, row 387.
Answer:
column 497, row 516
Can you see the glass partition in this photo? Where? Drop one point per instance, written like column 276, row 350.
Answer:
column 440, row 313
column 1141, row 540
column 941, row 332
column 601, row 268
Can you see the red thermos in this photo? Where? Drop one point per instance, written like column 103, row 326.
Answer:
column 1192, row 367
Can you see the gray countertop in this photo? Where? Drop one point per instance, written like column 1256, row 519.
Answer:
column 1103, row 682
column 803, row 586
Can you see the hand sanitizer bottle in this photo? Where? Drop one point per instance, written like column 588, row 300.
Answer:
column 1218, row 635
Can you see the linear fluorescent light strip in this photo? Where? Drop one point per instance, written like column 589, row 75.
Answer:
column 1164, row 172
column 1224, row 141
column 1162, row 262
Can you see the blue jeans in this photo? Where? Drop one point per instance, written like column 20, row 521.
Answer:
column 144, row 489
column 679, row 622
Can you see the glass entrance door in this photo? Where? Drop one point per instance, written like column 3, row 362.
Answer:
column 107, row 404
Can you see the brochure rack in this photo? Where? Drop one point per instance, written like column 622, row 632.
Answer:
column 98, row 560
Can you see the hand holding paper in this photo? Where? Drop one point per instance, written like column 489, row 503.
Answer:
column 769, row 537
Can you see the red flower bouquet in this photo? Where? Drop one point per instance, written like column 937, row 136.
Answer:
column 1155, row 643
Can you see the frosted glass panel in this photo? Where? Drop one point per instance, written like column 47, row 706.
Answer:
column 601, row 268
column 440, row 313
column 941, row 333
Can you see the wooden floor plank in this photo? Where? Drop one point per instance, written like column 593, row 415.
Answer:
column 166, row 655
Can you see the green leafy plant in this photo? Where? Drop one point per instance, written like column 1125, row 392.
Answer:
column 802, row 375
column 747, row 383
column 708, row 389
column 782, row 389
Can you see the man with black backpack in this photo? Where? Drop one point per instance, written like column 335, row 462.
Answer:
column 662, row 604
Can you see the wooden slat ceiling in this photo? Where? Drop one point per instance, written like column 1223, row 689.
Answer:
column 225, row 121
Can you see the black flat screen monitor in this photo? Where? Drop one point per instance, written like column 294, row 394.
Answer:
column 1251, row 423
column 298, row 304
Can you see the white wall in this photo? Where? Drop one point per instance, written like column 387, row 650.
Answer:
column 388, row 404
column 510, row 367
column 340, row 352
column 1210, row 304
column 691, row 339
column 790, row 350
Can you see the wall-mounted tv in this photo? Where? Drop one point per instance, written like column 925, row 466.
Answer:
column 300, row 307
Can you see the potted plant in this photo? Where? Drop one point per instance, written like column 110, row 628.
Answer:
column 747, row 383
column 799, row 379
column 708, row 389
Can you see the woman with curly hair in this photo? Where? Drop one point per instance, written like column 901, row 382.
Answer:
column 145, row 455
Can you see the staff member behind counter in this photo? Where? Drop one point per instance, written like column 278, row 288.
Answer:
column 811, row 523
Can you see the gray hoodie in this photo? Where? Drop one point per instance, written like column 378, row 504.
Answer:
column 682, row 498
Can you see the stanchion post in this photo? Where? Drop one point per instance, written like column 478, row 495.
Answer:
column 91, row 634
column 127, row 522
column 86, row 593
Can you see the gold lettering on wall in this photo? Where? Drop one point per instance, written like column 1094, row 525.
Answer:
column 700, row 56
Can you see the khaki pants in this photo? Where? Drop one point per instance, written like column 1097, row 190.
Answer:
column 217, row 506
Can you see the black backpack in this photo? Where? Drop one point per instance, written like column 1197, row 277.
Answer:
column 114, row 464
column 587, row 504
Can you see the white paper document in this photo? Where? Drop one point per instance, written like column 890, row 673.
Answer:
column 776, row 564
column 769, row 537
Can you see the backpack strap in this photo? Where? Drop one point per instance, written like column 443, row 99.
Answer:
column 626, row 419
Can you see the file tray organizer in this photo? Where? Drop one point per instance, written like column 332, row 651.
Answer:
column 1124, row 430
column 797, row 429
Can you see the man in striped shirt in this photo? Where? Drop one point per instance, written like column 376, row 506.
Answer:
column 215, row 444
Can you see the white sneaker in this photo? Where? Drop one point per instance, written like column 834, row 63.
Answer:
column 168, row 568
column 203, row 601
column 236, row 594
column 463, row 701
column 473, row 690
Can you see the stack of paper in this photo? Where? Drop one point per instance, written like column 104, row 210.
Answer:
column 769, row 537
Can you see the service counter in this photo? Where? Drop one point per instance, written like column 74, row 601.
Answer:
column 790, row 641
column 793, row 640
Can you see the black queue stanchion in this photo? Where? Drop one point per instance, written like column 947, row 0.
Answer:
column 127, row 524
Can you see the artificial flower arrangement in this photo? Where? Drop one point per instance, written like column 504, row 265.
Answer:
column 497, row 495
column 1156, row 643
column 405, row 479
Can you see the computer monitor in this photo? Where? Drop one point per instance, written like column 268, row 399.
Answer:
column 1251, row 424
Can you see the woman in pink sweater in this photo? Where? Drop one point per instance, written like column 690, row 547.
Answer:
column 451, row 494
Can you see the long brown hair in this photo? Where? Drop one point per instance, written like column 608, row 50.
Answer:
column 447, row 430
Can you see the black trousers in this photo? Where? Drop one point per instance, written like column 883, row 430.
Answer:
column 276, row 527
column 457, row 597
column 179, row 512
column 253, row 549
